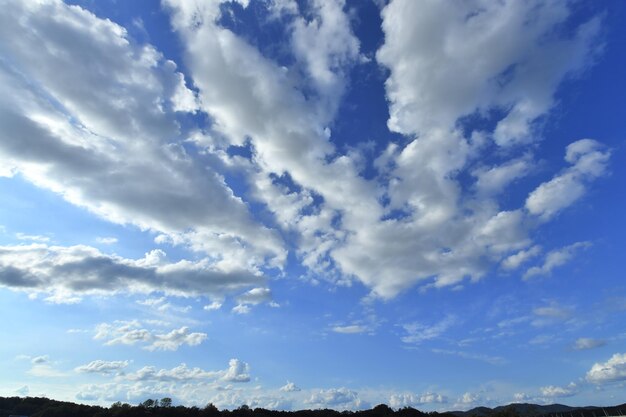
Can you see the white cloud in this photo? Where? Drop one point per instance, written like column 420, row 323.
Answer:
column 336, row 398
column 469, row 398
column 412, row 400
column 449, row 60
column 552, row 391
column 176, row 338
column 131, row 333
column 33, row 238
column 492, row 180
column 73, row 271
column 556, row 258
column 326, row 47
column 238, row 371
column 118, row 150
column 417, row 333
column 350, row 329
column 161, row 304
column 589, row 161
column 610, row 371
column 241, row 309
column 215, row 305
column 102, row 367
column 179, row 373
column 514, row 261
column 289, row 387
column 255, row 296
column 107, row 240
column 584, row 343
column 115, row 150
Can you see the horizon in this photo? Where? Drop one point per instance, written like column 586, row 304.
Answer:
column 294, row 204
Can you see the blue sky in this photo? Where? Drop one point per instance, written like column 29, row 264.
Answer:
column 309, row 204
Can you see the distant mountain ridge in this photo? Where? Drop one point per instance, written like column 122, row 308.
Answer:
column 536, row 410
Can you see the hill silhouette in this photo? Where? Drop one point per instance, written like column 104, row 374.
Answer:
column 45, row 407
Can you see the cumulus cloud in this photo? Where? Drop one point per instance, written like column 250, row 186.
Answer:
column 552, row 391
column 338, row 398
column 514, row 261
column 237, row 371
column 102, row 367
column 255, row 296
column 448, row 60
column 120, row 152
column 289, row 387
column 131, row 333
column 556, row 258
column 179, row 373
column 589, row 160
column 412, row 400
column 610, row 371
column 79, row 270
column 215, row 305
column 115, row 150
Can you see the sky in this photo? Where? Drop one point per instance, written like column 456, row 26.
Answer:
column 313, row 204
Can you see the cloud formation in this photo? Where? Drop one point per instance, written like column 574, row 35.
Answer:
column 131, row 333
column 100, row 366
column 81, row 270
column 612, row 370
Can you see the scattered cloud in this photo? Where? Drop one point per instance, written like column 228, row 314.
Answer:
column 241, row 309
column 102, row 367
column 589, row 161
column 108, row 240
column 238, row 371
column 32, row 238
column 71, row 272
column 584, row 343
column 551, row 314
column 552, row 391
column 350, row 329
column 290, row 387
column 417, row 333
column 131, row 333
column 215, row 305
column 337, row 398
column 610, row 371
column 514, row 261
column 412, row 400
column 556, row 258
